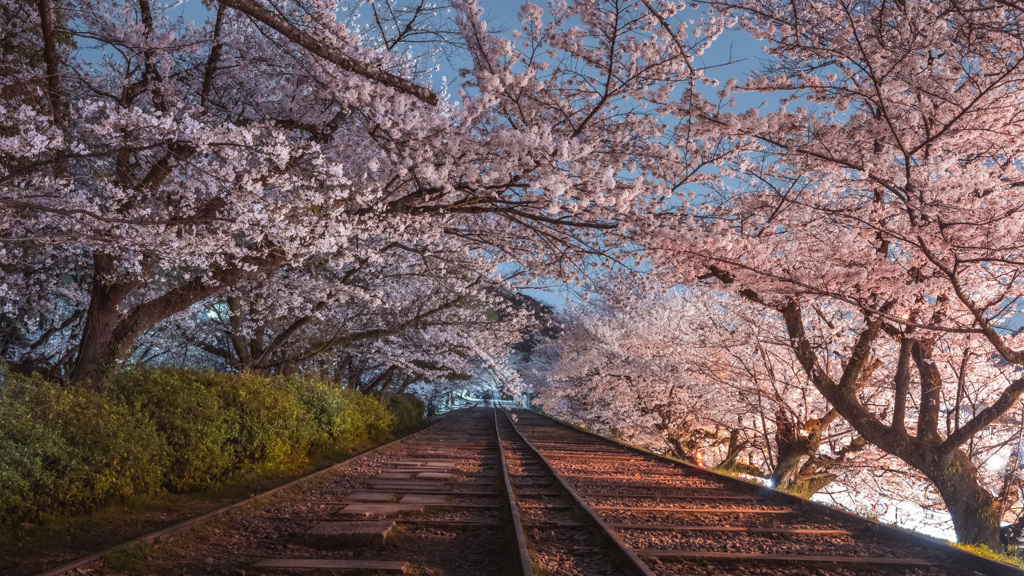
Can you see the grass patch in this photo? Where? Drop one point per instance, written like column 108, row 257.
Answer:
column 986, row 552
column 127, row 558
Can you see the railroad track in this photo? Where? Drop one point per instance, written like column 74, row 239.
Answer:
column 439, row 502
column 671, row 519
column 438, row 505
column 492, row 492
column 553, row 528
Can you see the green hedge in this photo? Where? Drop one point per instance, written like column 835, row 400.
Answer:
column 341, row 416
column 65, row 449
column 408, row 410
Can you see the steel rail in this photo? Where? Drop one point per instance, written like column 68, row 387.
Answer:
column 973, row 561
column 631, row 561
column 522, row 549
column 187, row 525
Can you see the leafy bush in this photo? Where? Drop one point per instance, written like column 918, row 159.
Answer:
column 408, row 411
column 269, row 424
column 192, row 420
column 345, row 420
column 65, row 449
column 372, row 422
column 330, row 408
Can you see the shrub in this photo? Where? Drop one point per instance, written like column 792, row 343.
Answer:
column 192, row 420
column 330, row 408
column 269, row 425
column 371, row 419
column 408, row 411
column 346, row 420
column 64, row 449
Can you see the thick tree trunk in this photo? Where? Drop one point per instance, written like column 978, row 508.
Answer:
column 731, row 463
column 795, row 471
column 239, row 342
column 790, row 449
column 99, row 326
column 972, row 508
column 101, row 319
column 786, row 475
column 111, row 333
column 682, row 450
column 799, row 472
column 105, row 352
column 732, row 453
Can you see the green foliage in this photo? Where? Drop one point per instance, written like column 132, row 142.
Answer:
column 408, row 411
column 269, row 424
column 65, row 449
column 372, row 420
column 986, row 552
column 192, row 420
column 343, row 419
column 328, row 407
column 68, row 448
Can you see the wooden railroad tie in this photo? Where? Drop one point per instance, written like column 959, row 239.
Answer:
column 743, row 529
column 746, row 557
column 307, row 564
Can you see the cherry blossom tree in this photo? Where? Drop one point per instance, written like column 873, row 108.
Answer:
column 697, row 373
column 804, row 443
column 278, row 187
column 307, row 312
column 150, row 164
column 885, row 180
column 612, row 373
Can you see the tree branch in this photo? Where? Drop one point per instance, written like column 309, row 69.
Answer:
column 261, row 14
column 1005, row 401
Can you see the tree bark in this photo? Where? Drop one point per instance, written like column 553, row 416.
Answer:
column 53, row 91
column 101, row 319
column 950, row 469
column 732, row 452
column 239, row 343
column 786, row 476
column 972, row 508
column 799, row 471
